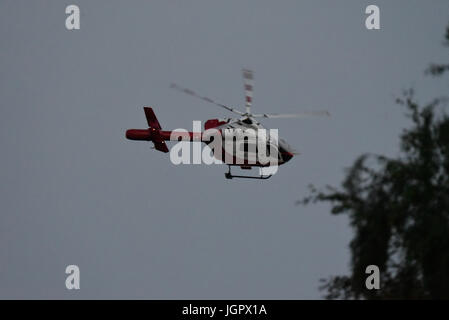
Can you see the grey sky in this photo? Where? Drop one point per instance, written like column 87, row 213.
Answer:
column 75, row 191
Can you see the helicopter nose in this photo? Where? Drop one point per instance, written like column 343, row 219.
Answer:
column 286, row 156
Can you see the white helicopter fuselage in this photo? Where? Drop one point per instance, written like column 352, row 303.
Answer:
column 241, row 139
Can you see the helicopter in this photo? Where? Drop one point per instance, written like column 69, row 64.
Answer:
column 242, row 150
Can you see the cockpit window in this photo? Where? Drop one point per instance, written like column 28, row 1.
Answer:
column 284, row 146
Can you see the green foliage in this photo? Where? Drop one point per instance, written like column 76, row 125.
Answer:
column 439, row 69
column 399, row 210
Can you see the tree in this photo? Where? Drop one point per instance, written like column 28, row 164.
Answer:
column 399, row 210
column 439, row 69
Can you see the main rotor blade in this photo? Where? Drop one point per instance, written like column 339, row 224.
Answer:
column 292, row 115
column 194, row 94
column 248, row 82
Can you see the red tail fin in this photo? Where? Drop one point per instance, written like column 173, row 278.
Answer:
column 151, row 118
column 154, row 125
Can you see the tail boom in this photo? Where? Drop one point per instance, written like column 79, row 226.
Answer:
column 152, row 134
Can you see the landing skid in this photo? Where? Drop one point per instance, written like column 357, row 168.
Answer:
column 229, row 175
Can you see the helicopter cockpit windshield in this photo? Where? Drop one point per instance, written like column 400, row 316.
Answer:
column 284, row 146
